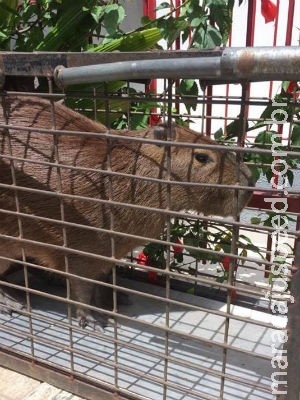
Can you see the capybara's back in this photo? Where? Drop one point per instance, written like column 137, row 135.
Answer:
column 66, row 191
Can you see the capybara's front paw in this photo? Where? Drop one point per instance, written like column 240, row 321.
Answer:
column 95, row 320
column 9, row 301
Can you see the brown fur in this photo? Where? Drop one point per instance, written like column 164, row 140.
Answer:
column 92, row 152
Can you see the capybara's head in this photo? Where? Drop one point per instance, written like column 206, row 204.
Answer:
column 202, row 178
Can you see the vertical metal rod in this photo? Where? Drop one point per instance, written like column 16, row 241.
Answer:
column 276, row 26
column 20, row 227
column 106, row 106
column 168, row 237
column 128, row 107
column 290, row 25
column 149, row 7
column 112, row 253
column 235, row 235
column 274, row 44
column 95, row 104
column 251, row 23
column 62, row 215
column 209, row 93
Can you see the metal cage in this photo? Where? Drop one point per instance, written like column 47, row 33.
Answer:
column 207, row 318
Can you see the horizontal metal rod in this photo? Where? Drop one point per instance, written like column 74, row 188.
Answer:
column 231, row 64
column 139, row 69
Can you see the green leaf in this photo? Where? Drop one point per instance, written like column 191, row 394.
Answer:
column 274, row 113
column 220, row 279
column 179, row 257
column 61, row 36
column 8, row 8
column 255, row 220
column 195, row 241
column 221, row 13
column 290, row 176
column 135, row 41
column 211, row 3
column 268, row 174
column 191, row 290
column 146, row 20
column 3, row 35
column 196, row 21
column 295, row 137
column 139, row 121
column 256, row 172
column 171, row 28
column 218, row 135
column 113, row 17
column 8, row 22
column 235, row 128
column 264, row 139
column 185, row 35
column 155, row 253
column 246, row 238
column 188, row 89
column 213, row 38
column 244, row 253
column 97, row 12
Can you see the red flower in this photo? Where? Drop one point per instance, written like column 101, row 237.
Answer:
column 177, row 249
column 154, row 119
column 292, row 88
column 226, row 263
column 142, row 259
column 268, row 10
column 152, row 276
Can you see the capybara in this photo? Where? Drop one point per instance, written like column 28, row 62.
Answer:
column 77, row 187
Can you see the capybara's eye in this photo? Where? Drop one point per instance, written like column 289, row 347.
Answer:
column 203, row 158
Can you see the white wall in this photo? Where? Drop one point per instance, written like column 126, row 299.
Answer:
column 134, row 13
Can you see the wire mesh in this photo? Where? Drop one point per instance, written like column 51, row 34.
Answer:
column 202, row 320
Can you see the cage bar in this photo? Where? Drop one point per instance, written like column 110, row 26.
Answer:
column 235, row 64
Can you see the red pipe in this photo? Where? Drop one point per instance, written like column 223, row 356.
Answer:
column 258, row 201
column 149, row 7
column 250, row 23
column 290, row 20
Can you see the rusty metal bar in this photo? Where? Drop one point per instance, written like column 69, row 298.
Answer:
column 45, row 372
column 43, row 64
column 232, row 64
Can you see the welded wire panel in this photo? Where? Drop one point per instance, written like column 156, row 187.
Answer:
column 201, row 322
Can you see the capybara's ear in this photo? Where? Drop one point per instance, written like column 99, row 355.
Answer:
column 164, row 132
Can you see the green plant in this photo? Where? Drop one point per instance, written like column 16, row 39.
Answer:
column 196, row 241
column 198, row 25
column 50, row 25
column 283, row 108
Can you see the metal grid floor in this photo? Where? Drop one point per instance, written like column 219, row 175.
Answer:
column 149, row 361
